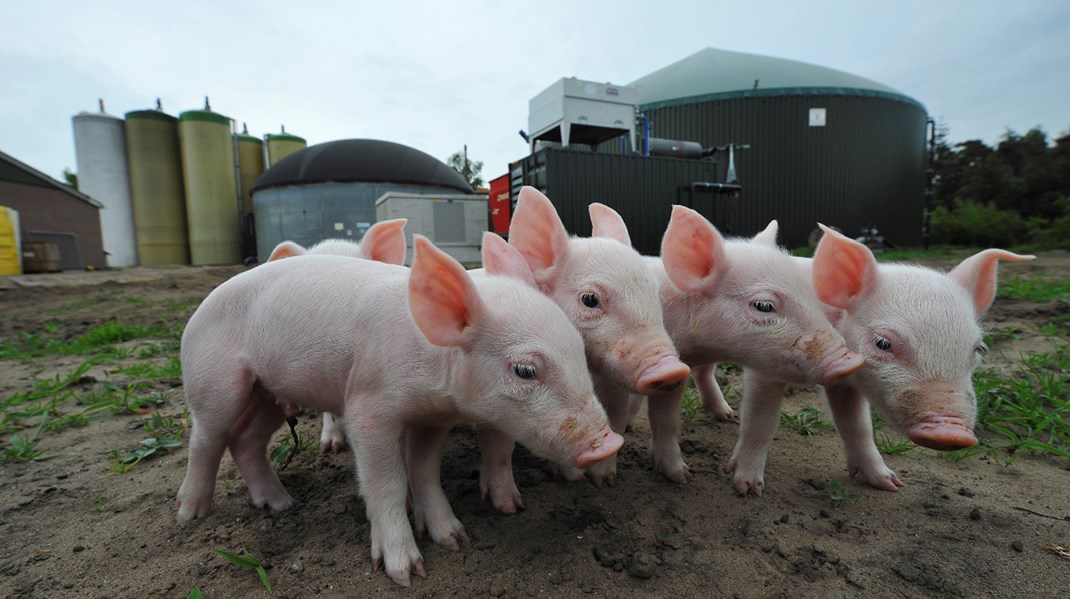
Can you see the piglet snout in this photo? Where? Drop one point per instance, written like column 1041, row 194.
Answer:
column 840, row 365
column 943, row 433
column 605, row 444
column 665, row 373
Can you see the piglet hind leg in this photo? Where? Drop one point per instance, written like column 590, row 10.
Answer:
column 710, row 392
column 758, row 422
column 496, row 471
column 217, row 407
column 850, row 411
column 332, row 437
column 431, row 509
column 248, row 446
column 376, row 440
column 664, row 412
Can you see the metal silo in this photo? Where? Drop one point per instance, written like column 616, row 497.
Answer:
column 156, row 187
column 280, row 145
column 824, row 145
column 250, row 165
column 100, row 150
column 208, row 173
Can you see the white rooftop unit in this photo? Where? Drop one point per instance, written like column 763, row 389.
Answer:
column 576, row 111
column 453, row 222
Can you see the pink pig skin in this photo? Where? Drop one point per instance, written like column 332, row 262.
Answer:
column 400, row 355
column 383, row 242
column 607, row 292
column 918, row 332
column 732, row 300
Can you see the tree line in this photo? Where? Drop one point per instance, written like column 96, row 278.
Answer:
column 1013, row 194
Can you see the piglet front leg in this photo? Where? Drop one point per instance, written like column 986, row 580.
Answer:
column 381, row 471
column 496, row 471
column 663, row 410
column 758, row 423
column 851, row 413
column 431, row 509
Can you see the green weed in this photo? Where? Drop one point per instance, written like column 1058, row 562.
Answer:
column 839, row 493
column 246, row 561
column 807, row 421
column 24, row 449
column 283, row 453
column 887, row 446
column 124, row 461
column 690, row 403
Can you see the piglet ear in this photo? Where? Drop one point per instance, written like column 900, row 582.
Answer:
column 692, row 250
column 768, row 236
column 844, row 271
column 442, row 298
column 978, row 275
column 605, row 222
column 385, row 241
column 500, row 258
column 286, row 249
column 537, row 233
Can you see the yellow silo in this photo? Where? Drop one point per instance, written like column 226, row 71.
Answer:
column 155, row 164
column 280, row 145
column 208, row 172
column 250, row 165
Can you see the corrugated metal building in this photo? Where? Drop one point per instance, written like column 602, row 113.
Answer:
column 51, row 212
column 825, row 145
column 329, row 190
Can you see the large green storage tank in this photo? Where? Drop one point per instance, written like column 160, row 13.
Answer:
column 250, row 165
column 208, row 171
column 281, row 145
column 155, row 164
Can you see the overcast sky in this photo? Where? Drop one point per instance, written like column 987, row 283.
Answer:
column 439, row 75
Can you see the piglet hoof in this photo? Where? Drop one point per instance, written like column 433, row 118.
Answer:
column 332, row 443
column 191, row 510
column 454, row 540
column 678, row 473
column 507, row 503
column 603, row 473
column 881, row 478
column 725, row 415
column 746, row 486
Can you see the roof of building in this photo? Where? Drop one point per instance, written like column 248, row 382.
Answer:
column 16, row 171
column 713, row 74
column 361, row 160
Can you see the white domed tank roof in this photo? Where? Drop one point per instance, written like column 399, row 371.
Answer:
column 711, row 74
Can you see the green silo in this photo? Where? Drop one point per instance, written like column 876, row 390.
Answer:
column 210, row 178
column 280, row 145
column 155, row 165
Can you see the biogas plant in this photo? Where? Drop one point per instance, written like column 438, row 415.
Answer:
column 741, row 138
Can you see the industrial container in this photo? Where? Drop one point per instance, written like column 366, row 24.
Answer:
column 100, row 150
column 155, row 164
column 453, row 222
column 250, row 165
column 10, row 244
column 281, row 145
column 41, row 257
column 824, row 145
column 209, row 177
column 500, row 205
column 641, row 188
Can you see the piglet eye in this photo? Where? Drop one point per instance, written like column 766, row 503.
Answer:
column 882, row 343
column 763, row 306
column 589, row 299
column 524, row 371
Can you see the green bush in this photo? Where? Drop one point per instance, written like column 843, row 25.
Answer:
column 978, row 225
column 1056, row 234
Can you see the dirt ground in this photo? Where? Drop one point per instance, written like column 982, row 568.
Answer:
column 69, row 527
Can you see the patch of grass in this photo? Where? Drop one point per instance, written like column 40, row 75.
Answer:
column 1029, row 410
column 246, row 561
column 807, row 421
column 95, row 340
column 887, row 446
column 1039, row 289
column 839, row 493
column 690, row 403
column 145, row 370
